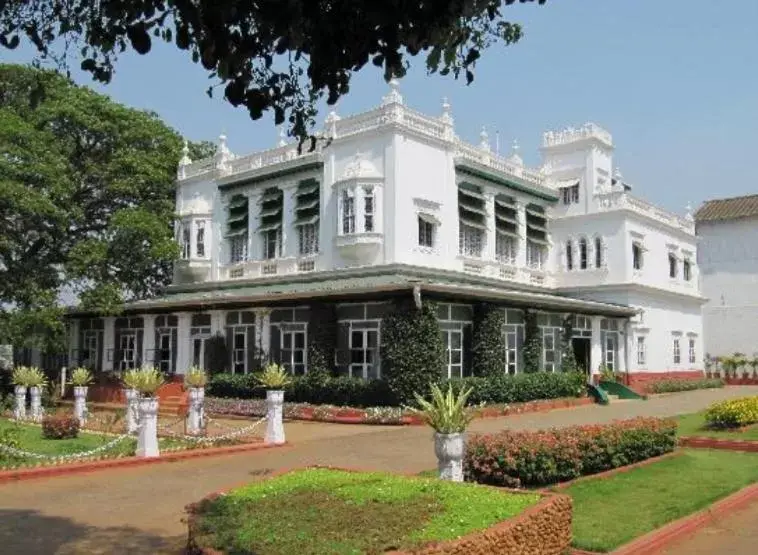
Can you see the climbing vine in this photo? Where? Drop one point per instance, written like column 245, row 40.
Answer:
column 568, row 359
column 488, row 343
column 532, row 342
column 322, row 340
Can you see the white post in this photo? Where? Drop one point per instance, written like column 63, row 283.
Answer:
column 63, row 381
column 147, row 440
column 596, row 347
column 132, row 410
column 148, row 340
column 183, row 353
column 109, row 343
column 274, row 414
column 196, row 413
column 449, row 449
column 80, row 404
column 19, row 413
column 36, row 403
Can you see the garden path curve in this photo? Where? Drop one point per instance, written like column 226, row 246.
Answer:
column 139, row 510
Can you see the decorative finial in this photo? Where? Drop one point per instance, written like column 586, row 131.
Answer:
column 515, row 157
column 222, row 148
column 617, row 174
column 282, row 137
column 394, row 96
column 688, row 215
column 445, row 105
column 484, row 143
column 185, row 159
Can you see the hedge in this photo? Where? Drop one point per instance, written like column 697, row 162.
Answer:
column 671, row 386
column 354, row 392
column 529, row 458
column 733, row 413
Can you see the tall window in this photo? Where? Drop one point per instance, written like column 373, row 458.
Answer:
column 505, row 248
column 472, row 220
column 293, row 347
column 672, row 265
column 307, row 212
column 455, row 322
column 200, row 240
column 166, row 334
column 569, row 255
column 470, row 241
column 425, row 233
column 535, row 255
column 348, row 212
column 536, row 236
column 271, row 244
column 271, row 218
column 237, row 228
column 641, row 351
column 307, row 239
column 677, row 351
column 636, row 256
column 186, row 232
column 240, row 335
column 129, row 334
column 610, row 351
column 598, row 252
column 583, row 253
column 368, row 209
column 571, row 194
column 692, row 358
column 358, row 339
column 237, row 248
column 687, row 270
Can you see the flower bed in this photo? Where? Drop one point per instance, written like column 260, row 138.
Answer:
column 385, row 513
column 671, row 386
column 733, row 413
column 372, row 415
column 524, row 458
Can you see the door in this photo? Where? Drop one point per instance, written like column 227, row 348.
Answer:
column 165, row 352
column 581, row 346
column 609, row 356
column 199, row 348
column 363, row 356
column 128, row 349
column 454, row 347
column 90, row 357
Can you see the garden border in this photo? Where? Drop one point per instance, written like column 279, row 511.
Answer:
column 665, row 536
column 705, row 442
column 478, row 542
column 612, row 472
column 50, row 471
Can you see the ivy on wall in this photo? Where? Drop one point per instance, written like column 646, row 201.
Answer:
column 217, row 354
column 488, row 345
column 532, row 342
column 412, row 349
column 322, row 339
column 568, row 359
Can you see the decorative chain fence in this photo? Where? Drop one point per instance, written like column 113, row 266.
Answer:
column 67, row 457
column 237, row 432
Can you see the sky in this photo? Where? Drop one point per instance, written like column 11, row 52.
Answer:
column 674, row 81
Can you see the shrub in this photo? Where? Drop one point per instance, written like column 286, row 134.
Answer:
column 412, row 350
column 488, row 344
column 670, row 386
column 60, row 426
column 322, row 339
column 195, row 377
column 521, row 388
column 733, row 413
column 532, row 349
column 446, row 412
column 274, row 376
column 81, row 377
column 524, row 458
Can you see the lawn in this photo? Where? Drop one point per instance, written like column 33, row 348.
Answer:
column 612, row 511
column 694, row 425
column 320, row 511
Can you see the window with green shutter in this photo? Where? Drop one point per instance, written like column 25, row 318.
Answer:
column 472, row 220
column 236, row 228
column 307, row 211
column 271, row 213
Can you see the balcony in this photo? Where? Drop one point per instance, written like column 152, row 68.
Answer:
column 359, row 248
column 252, row 269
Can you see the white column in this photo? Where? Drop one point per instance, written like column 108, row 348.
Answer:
column 489, row 246
column 183, row 346
column 109, row 343
column 521, row 252
column 73, row 344
column 253, row 239
column 263, row 328
column 596, row 346
column 289, row 237
column 148, row 340
column 623, row 347
column 218, row 321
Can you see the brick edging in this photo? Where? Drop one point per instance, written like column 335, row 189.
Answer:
column 18, row 474
column 549, row 502
column 704, row 442
column 358, row 416
column 612, row 471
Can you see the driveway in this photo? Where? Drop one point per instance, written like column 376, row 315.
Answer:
column 139, row 510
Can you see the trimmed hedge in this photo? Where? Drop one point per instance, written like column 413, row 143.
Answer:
column 344, row 391
column 524, row 458
column 60, row 426
column 671, row 386
column 733, row 413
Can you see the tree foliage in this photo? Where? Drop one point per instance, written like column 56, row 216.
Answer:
column 86, row 200
column 532, row 342
column 413, row 353
column 568, row 358
column 489, row 341
column 268, row 55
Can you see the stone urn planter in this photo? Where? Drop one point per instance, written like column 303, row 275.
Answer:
column 196, row 411
column 274, row 417
column 132, row 409
column 449, row 449
column 36, row 403
column 19, row 412
column 80, row 403
column 147, row 439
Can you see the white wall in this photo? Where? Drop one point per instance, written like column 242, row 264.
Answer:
column 728, row 259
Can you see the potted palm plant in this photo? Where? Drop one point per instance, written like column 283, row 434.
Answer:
column 131, row 379
column 274, row 378
column 195, row 380
column 80, row 379
column 19, row 379
column 148, row 381
column 35, row 381
column 448, row 414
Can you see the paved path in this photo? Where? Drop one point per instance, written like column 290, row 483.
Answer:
column 139, row 510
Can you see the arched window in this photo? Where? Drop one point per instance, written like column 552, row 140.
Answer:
column 569, row 255
column 583, row 253
column 598, row 252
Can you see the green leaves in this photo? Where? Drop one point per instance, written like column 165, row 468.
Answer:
column 488, row 344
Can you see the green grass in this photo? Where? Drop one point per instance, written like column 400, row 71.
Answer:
column 612, row 511
column 694, row 425
column 320, row 511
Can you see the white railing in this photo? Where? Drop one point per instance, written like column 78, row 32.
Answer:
column 267, row 268
column 617, row 200
column 424, row 124
column 571, row 134
column 199, row 167
column 497, row 163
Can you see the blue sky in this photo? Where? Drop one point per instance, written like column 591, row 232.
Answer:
column 674, row 81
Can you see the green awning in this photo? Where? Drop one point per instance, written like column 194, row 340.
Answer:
column 237, row 202
column 236, row 232
column 306, row 205
column 471, row 223
column 271, row 195
column 236, row 218
column 269, row 227
column 470, row 193
column 306, row 220
column 268, row 212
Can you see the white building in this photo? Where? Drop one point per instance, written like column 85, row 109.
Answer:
column 727, row 231
column 393, row 205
